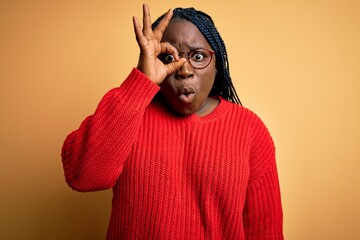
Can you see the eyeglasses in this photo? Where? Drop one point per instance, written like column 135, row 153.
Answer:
column 198, row 58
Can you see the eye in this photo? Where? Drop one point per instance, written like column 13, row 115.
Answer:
column 168, row 58
column 198, row 56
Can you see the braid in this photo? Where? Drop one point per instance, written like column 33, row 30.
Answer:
column 223, row 85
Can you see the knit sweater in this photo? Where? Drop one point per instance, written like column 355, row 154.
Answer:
column 176, row 177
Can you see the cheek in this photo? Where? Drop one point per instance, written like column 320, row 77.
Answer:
column 167, row 81
column 166, row 88
column 211, row 78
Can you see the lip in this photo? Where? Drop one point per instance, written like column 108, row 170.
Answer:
column 186, row 94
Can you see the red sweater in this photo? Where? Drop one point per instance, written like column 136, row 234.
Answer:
column 176, row 177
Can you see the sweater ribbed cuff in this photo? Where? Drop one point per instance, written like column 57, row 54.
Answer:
column 137, row 89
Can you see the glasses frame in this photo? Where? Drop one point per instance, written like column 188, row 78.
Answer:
column 187, row 56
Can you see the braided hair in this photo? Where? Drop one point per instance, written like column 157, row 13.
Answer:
column 223, row 85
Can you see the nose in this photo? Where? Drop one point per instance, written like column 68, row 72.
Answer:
column 185, row 71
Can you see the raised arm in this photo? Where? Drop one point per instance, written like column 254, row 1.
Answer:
column 93, row 156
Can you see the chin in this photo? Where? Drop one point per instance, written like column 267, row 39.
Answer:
column 184, row 110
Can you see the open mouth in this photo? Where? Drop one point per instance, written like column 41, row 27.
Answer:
column 186, row 95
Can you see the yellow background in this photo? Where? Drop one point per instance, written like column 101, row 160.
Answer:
column 295, row 63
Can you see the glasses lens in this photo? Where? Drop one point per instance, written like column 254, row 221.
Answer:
column 200, row 58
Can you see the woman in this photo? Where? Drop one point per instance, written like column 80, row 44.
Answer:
column 184, row 158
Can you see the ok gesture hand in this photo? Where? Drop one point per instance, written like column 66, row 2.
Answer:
column 150, row 48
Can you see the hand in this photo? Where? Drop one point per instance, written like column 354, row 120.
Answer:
column 150, row 48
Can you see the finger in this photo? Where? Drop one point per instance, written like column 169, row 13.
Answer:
column 161, row 27
column 175, row 66
column 147, row 30
column 140, row 38
column 166, row 47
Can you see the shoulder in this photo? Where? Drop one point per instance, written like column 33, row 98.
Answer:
column 245, row 115
column 262, row 147
column 251, row 124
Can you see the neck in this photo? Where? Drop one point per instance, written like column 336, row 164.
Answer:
column 208, row 106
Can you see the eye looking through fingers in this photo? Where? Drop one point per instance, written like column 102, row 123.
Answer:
column 166, row 58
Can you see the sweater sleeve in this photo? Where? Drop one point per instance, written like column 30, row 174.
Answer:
column 93, row 155
column 263, row 217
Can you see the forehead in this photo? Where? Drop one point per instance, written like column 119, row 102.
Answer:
column 184, row 35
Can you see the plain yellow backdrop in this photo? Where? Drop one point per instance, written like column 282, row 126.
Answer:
column 295, row 63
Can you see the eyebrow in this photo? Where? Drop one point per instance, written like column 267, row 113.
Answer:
column 190, row 47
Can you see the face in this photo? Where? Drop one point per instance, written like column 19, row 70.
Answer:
column 187, row 90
